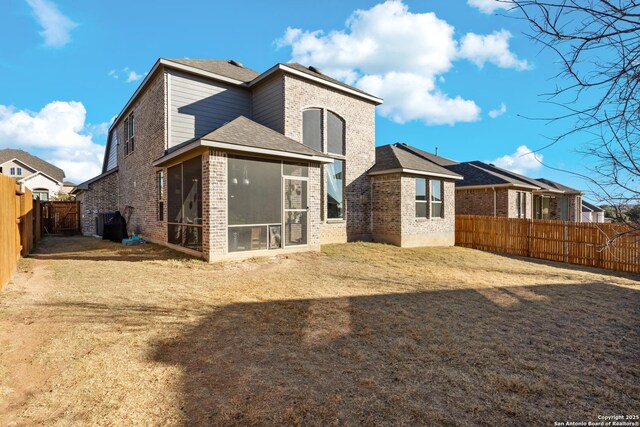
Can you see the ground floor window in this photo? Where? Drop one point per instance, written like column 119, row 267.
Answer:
column 184, row 204
column 335, row 189
column 267, row 204
column 541, row 207
column 43, row 195
column 436, row 199
column 521, row 204
column 429, row 205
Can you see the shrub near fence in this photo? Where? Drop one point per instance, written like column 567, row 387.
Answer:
column 16, row 226
column 573, row 242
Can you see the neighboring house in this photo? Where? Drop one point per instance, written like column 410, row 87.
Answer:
column 493, row 191
column 42, row 178
column 215, row 159
column 591, row 212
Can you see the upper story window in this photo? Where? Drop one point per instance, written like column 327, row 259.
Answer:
column 335, row 134
column 312, row 128
column 12, row 171
column 129, row 134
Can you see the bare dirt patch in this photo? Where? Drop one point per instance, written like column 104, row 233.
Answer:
column 358, row 334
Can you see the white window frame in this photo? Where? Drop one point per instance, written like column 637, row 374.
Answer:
column 431, row 202
column 427, row 210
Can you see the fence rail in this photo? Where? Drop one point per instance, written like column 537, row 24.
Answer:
column 16, row 226
column 572, row 242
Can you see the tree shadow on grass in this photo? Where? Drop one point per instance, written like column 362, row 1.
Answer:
column 497, row 356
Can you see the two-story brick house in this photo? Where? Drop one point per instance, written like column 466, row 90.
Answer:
column 215, row 159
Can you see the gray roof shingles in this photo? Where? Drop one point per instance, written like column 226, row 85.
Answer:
column 558, row 186
column 35, row 162
column 245, row 132
column 221, row 67
column 398, row 156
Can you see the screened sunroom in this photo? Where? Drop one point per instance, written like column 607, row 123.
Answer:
column 239, row 189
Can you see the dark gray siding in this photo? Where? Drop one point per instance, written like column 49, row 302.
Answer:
column 268, row 104
column 198, row 106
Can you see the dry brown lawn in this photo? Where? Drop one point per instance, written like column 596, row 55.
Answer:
column 94, row 333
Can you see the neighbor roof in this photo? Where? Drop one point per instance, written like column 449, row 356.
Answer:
column 400, row 158
column 223, row 67
column 558, row 186
column 590, row 207
column 30, row 160
column 243, row 134
column 476, row 174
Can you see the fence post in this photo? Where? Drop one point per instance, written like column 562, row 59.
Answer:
column 565, row 245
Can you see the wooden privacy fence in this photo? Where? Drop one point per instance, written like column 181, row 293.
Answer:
column 60, row 217
column 573, row 242
column 16, row 226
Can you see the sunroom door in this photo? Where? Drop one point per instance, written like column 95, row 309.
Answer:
column 295, row 212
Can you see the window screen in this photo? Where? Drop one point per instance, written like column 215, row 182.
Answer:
column 255, row 191
column 335, row 134
column 184, row 200
column 312, row 129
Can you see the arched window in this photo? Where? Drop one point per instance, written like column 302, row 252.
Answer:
column 312, row 128
column 335, row 134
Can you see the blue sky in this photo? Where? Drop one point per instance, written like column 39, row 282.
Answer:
column 68, row 66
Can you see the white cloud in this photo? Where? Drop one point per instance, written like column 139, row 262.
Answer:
column 394, row 54
column 490, row 6
column 498, row 111
column 56, row 27
column 60, row 131
column 132, row 76
column 493, row 48
column 522, row 161
column 128, row 74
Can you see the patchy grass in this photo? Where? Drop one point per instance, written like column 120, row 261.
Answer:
column 94, row 333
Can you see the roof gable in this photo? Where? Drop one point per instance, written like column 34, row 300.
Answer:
column 35, row 163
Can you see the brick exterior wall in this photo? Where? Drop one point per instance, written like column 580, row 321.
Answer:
column 575, row 207
column 386, row 218
column 101, row 197
column 394, row 213
column 138, row 182
column 214, row 204
column 513, row 209
column 481, row 202
column 359, row 117
column 427, row 231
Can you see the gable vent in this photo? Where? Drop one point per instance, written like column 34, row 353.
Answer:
column 236, row 63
